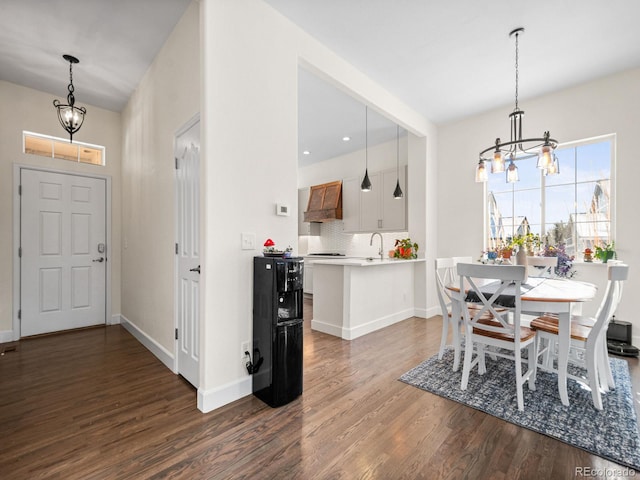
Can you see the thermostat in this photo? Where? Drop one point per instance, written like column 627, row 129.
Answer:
column 282, row 209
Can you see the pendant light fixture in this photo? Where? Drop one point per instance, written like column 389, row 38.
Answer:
column 365, row 186
column 397, row 193
column 517, row 146
column 70, row 116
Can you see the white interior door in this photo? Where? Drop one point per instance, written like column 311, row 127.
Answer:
column 188, row 253
column 63, row 251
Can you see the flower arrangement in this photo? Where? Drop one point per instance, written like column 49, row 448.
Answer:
column 529, row 241
column 565, row 261
column 405, row 249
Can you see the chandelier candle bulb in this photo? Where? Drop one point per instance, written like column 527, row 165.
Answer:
column 497, row 165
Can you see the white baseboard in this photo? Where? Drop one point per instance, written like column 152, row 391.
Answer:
column 325, row 327
column 6, row 336
column 377, row 324
column 432, row 312
column 154, row 347
column 115, row 319
column 360, row 330
column 209, row 400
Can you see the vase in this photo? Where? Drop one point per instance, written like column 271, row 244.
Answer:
column 521, row 259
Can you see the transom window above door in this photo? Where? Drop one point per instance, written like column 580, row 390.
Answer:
column 574, row 207
column 53, row 147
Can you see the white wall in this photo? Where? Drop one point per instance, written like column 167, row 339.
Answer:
column 380, row 157
column 34, row 112
column 608, row 105
column 250, row 63
column 166, row 98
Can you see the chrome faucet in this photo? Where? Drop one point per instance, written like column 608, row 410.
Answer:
column 381, row 251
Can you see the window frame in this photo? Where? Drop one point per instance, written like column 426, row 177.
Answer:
column 63, row 141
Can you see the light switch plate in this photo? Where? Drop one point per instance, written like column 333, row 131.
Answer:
column 248, row 241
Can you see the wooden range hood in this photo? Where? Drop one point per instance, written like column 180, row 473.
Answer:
column 325, row 203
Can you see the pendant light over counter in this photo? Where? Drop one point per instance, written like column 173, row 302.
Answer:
column 365, row 186
column 397, row 193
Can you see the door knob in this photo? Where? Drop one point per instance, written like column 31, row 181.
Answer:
column 197, row 269
column 101, row 259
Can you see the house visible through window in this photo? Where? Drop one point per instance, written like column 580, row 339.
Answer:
column 53, row 147
column 574, row 208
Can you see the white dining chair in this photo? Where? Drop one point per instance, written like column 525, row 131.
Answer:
column 446, row 275
column 588, row 338
column 497, row 332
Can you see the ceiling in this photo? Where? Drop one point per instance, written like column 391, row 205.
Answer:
column 451, row 59
column 446, row 60
column 115, row 41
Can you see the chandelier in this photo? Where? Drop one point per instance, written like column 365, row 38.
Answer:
column 517, row 147
column 70, row 116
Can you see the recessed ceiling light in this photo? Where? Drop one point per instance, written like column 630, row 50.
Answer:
column 306, row 152
column 346, row 139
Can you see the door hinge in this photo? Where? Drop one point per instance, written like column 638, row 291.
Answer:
column 19, row 189
column 176, row 248
column 176, row 334
column 176, row 163
column 19, row 252
column 19, row 314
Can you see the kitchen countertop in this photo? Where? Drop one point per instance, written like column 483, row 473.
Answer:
column 363, row 262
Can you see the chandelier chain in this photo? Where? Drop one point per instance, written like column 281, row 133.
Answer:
column 70, row 77
column 517, row 49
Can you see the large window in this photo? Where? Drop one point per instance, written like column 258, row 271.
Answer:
column 574, row 207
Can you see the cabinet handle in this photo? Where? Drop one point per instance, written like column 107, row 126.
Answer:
column 379, row 223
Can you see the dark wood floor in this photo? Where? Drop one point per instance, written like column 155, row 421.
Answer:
column 96, row 404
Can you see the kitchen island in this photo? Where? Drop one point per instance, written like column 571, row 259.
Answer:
column 353, row 297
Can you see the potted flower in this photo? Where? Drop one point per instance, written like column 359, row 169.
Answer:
column 405, row 249
column 605, row 252
column 529, row 242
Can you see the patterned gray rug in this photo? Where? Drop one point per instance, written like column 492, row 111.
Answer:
column 611, row 433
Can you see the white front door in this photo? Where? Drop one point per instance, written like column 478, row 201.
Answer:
column 63, row 251
column 187, row 156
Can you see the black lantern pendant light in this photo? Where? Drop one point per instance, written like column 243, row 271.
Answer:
column 70, row 116
column 397, row 193
column 365, row 186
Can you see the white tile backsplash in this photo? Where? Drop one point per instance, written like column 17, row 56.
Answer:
column 333, row 239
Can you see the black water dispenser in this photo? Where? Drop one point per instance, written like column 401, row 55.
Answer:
column 277, row 329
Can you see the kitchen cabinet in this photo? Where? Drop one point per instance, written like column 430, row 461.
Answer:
column 376, row 210
column 305, row 228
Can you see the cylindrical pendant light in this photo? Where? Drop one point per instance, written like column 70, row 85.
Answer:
column 481, row 172
column 512, row 173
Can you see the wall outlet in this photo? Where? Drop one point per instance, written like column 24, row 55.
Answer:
column 245, row 347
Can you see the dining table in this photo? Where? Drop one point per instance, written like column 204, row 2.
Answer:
column 538, row 296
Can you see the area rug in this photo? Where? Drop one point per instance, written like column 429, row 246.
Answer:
column 611, row 433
